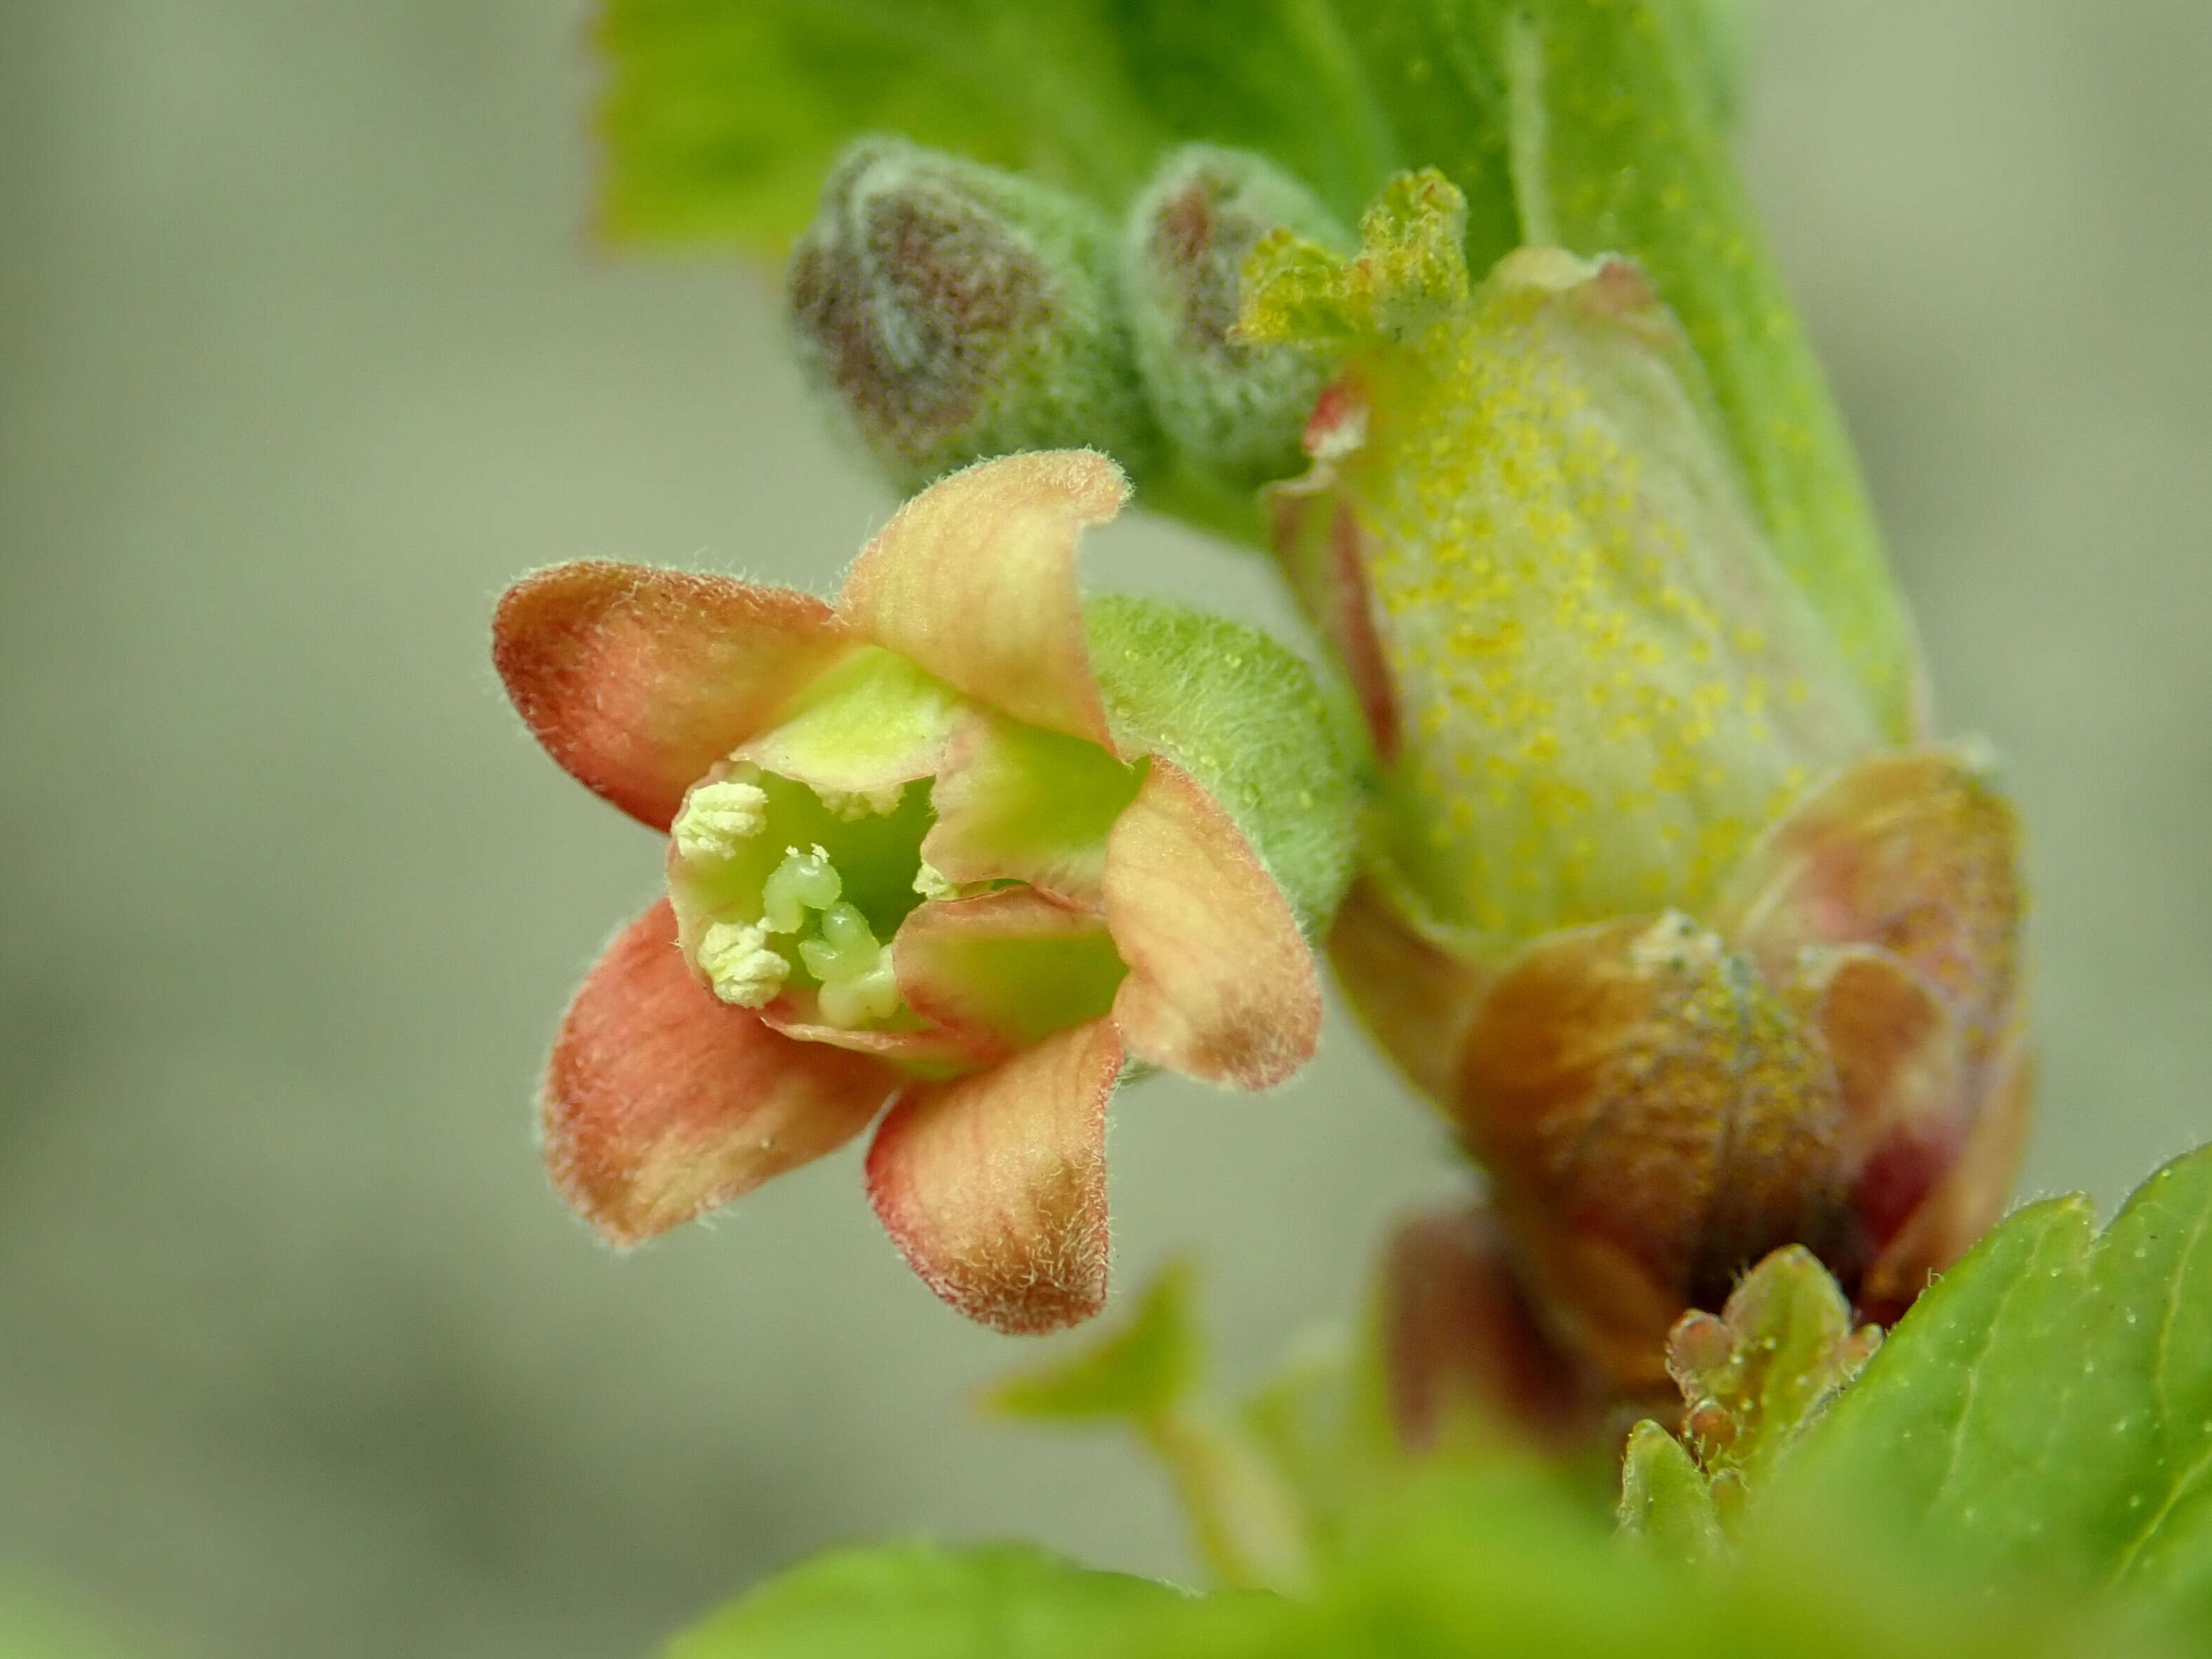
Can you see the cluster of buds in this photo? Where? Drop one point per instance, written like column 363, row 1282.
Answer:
column 962, row 845
column 951, row 312
column 1696, row 959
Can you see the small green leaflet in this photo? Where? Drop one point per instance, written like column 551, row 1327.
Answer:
column 1138, row 1372
column 2046, row 1409
column 1754, row 1378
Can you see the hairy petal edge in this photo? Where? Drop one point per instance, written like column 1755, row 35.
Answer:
column 974, row 579
column 994, row 1186
column 661, row 1103
column 1221, row 983
column 637, row 680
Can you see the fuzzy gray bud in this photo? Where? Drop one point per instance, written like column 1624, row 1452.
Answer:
column 1234, row 408
column 954, row 312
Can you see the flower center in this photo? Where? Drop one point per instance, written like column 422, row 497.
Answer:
column 802, row 887
column 795, row 863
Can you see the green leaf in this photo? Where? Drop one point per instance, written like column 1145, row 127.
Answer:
column 924, row 1601
column 1498, row 1565
column 1724, row 29
column 2046, row 1409
column 1498, row 1568
column 720, row 116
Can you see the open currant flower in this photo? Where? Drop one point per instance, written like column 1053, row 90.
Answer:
column 960, row 842
column 1697, row 966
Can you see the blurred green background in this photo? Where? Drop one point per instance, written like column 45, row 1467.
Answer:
column 305, row 349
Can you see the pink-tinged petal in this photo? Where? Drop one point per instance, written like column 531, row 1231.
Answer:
column 1971, row 1194
column 994, row 1186
column 661, row 1103
column 638, row 679
column 1915, row 851
column 1007, row 968
column 1654, row 1117
column 874, row 721
column 1902, row 1076
column 974, row 579
column 1221, row 985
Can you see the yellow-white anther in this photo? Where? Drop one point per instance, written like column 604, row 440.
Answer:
column 857, row 983
column 738, row 964
column 803, row 882
column 717, row 817
column 854, row 804
column 931, row 884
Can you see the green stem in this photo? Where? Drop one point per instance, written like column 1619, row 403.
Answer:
column 1247, row 1519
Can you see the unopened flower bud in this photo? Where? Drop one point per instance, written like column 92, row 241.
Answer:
column 1590, row 682
column 953, row 311
column 1654, row 1119
column 1234, row 408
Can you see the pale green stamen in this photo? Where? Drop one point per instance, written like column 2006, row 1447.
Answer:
column 803, row 882
column 930, row 882
column 718, row 816
column 857, row 983
column 738, row 964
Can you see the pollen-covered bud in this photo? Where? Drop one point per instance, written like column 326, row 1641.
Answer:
column 954, row 312
column 1234, row 408
column 1590, row 682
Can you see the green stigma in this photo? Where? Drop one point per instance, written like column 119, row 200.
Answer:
column 857, row 986
column 803, row 882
